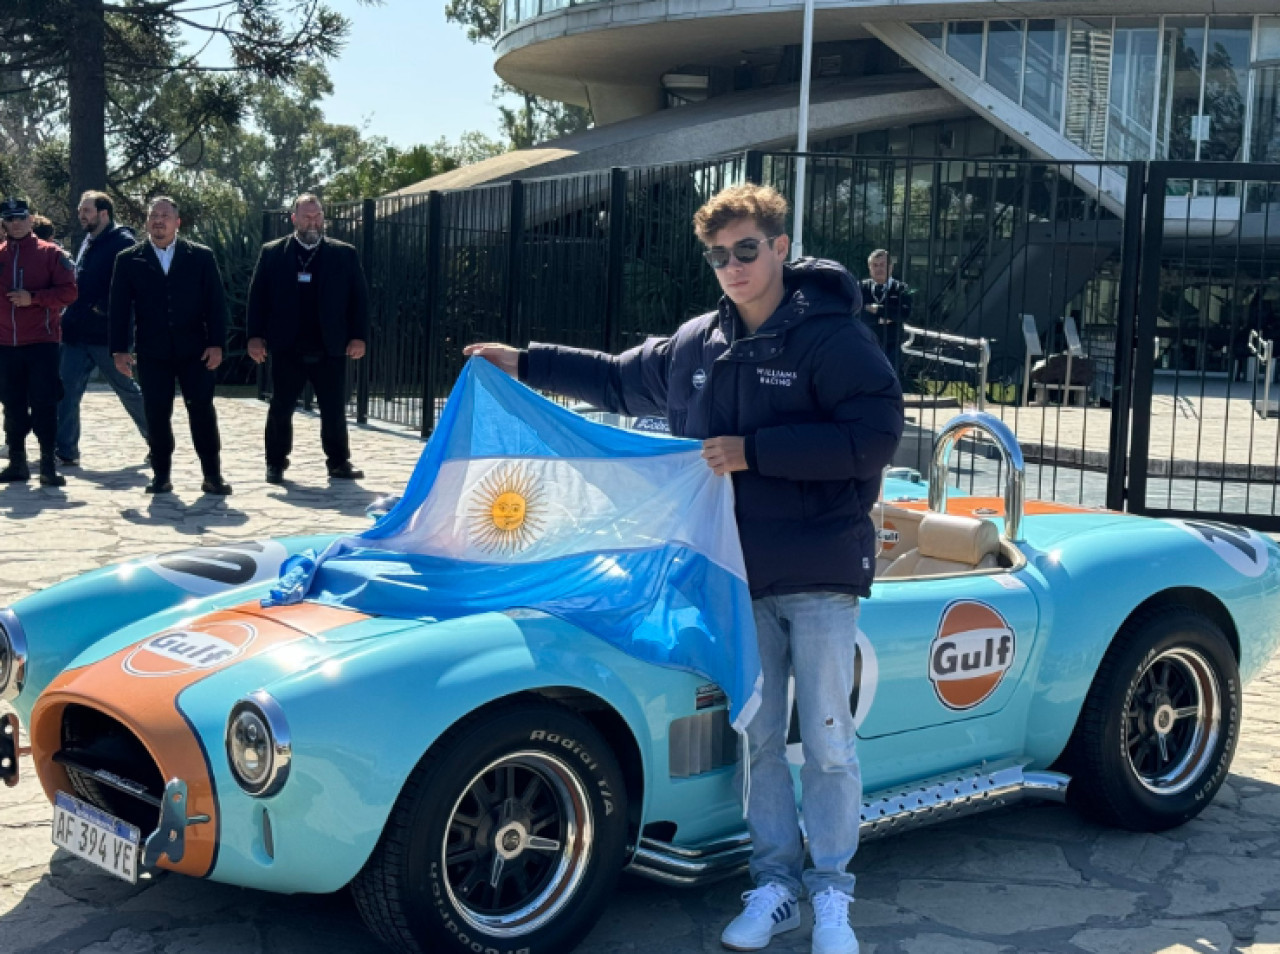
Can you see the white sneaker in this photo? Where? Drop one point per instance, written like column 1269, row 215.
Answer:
column 770, row 909
column 831, row 931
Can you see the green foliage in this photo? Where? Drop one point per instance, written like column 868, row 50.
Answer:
column 532, row 119
column 81, row 59
column 384, row 168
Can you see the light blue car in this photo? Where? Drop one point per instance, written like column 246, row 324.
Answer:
column 479, row 783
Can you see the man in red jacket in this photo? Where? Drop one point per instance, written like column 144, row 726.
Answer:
column 37, row 280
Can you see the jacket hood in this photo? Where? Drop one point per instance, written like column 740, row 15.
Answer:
column 120, row 232
column 814, row 286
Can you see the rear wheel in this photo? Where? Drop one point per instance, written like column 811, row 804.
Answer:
column 509, row 835
column 1159, row 727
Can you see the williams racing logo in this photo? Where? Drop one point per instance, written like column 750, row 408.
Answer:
column 181, row 651
column 969, row 658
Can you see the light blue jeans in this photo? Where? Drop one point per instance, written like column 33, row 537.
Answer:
column 814, row 636
column 77, row 363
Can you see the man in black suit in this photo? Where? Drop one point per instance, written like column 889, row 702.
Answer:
column 168, row 307
column 308, row 304
column 886, row 305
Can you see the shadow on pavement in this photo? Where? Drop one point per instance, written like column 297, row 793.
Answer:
column 24, row 500
column 170, row 511
column 1030, row 878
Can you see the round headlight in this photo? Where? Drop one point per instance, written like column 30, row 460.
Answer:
column 250, row 748
column 258, row 745
column 13, row 656
column 6, row 661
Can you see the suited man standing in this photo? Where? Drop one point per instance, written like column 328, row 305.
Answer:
column 886, row 305
column 168, row 307
column 308, row 305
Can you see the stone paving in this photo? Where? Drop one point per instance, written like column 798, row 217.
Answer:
column 1031, row 879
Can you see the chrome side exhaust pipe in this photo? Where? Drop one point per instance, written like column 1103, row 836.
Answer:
column 954, row 795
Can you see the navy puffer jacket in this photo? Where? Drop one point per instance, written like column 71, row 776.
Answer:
column 812, row 393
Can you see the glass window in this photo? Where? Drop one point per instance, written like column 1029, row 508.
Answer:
column 1088, row 80
column 1268, row 41
column 964, row 44
column 1265, row 140
column 1133, row 89
column 1004, row 56
column 930, row 31
column 1180, row 75
column 1226, row 87
column 1043, row 71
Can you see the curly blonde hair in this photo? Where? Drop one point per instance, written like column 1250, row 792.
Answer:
column 762, row 203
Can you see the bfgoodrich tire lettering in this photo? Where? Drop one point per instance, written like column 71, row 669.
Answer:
column 1159, row 727
column 507, row 838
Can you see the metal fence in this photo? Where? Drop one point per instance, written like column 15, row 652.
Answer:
column 1025, row 294
column 1206, row 440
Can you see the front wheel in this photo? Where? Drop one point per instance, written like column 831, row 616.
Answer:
column 1159, row 727
column 508, row 836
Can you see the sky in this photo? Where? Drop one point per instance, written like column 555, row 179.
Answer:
column 407, row 74
column 413, row 76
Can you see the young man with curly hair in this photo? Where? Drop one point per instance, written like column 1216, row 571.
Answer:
column 792, row 398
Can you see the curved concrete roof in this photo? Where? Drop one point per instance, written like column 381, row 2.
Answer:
column 726, row 124
column 633, row 42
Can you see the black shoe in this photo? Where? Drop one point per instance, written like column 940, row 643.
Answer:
column 275, row 475
column 17, row 470
column 159, row 485
column 49, row 476
column 68, row 461
column 217, row 486
column 345, row 471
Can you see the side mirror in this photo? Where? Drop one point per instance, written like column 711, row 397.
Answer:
column 381, row 507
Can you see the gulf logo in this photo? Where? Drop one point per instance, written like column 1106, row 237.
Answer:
column 180, row 651
column 973, row 650
column 889, row 537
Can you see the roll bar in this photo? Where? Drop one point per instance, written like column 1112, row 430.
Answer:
column 1010, row 454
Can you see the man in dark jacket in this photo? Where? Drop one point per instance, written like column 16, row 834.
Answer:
column 84, row 325
column 793, row 398
column 168, row 307
column 886, row 305
column 308, row 306
column 37, row 280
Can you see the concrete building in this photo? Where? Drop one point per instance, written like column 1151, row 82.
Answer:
column 1153, row 79
column 674, row 80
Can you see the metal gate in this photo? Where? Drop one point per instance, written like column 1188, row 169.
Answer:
column 1205, row 438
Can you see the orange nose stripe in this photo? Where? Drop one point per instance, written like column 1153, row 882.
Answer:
column 139, row 687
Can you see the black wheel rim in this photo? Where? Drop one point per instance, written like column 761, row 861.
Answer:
column 518, row 842
column 1172, row 721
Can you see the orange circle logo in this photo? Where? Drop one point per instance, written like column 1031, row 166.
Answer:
column 180, row 651
column 974, row 649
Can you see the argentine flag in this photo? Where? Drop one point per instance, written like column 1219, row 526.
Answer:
column 518, row 502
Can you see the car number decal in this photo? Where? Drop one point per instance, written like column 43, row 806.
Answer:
column 207, row 570
column 1239, row 547
column 973, row 650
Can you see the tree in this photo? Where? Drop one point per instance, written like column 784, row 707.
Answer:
column 385, row 168
column 535, row 119
column 133, row 98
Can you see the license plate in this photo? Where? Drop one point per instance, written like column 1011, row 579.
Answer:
column 100, row 839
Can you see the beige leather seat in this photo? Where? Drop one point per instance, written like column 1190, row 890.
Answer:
column 898, row 530
column 948, row 543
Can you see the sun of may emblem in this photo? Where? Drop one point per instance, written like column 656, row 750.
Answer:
column 506, row 512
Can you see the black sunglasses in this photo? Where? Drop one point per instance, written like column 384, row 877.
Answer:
column 745, row 250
